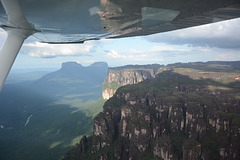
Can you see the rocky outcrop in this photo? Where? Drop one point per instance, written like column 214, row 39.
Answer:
column 131, row 74
column 168, row 117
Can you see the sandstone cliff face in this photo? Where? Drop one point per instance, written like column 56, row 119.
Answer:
column 169, row 117
column 121, row 76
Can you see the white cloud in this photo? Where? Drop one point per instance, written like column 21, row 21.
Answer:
column 224, row 34
column 131, row 58
column 115, row 54
column 37, row 49
column 162, row 48
column 135, row 51
column 228, row 56
column 153, row 50
column 219, row 29
column 88, row 61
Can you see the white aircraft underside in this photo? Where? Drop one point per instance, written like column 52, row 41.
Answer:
column 76, row 21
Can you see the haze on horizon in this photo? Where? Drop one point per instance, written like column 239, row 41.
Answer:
column 212, row 42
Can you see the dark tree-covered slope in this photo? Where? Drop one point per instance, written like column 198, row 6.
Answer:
column 171, row 116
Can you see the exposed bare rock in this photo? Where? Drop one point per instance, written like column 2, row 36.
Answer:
column 121, row 76
column 157, row 120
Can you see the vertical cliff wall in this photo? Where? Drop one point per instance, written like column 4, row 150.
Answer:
column 169, row 117
column 131, row 74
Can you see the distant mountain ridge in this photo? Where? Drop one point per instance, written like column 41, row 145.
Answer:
column 73, row 78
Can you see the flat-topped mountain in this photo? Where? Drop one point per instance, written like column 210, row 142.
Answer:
column 171, row 116
column 73, row 78
column 133, row 74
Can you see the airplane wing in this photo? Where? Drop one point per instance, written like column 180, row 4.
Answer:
column 157, row 20
column 15, row 14
column 76, row 21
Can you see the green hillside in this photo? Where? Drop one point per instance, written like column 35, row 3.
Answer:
column 59, row 106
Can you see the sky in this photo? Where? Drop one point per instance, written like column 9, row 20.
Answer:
column 215, row 42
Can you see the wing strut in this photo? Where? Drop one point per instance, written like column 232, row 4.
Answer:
column 18, row 29
column 8, row 54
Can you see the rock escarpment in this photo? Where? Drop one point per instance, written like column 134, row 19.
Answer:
column 168, row 117
column 121, row 76
column 131, row 74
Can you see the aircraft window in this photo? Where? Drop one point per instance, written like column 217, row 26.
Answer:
column 46, row 111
